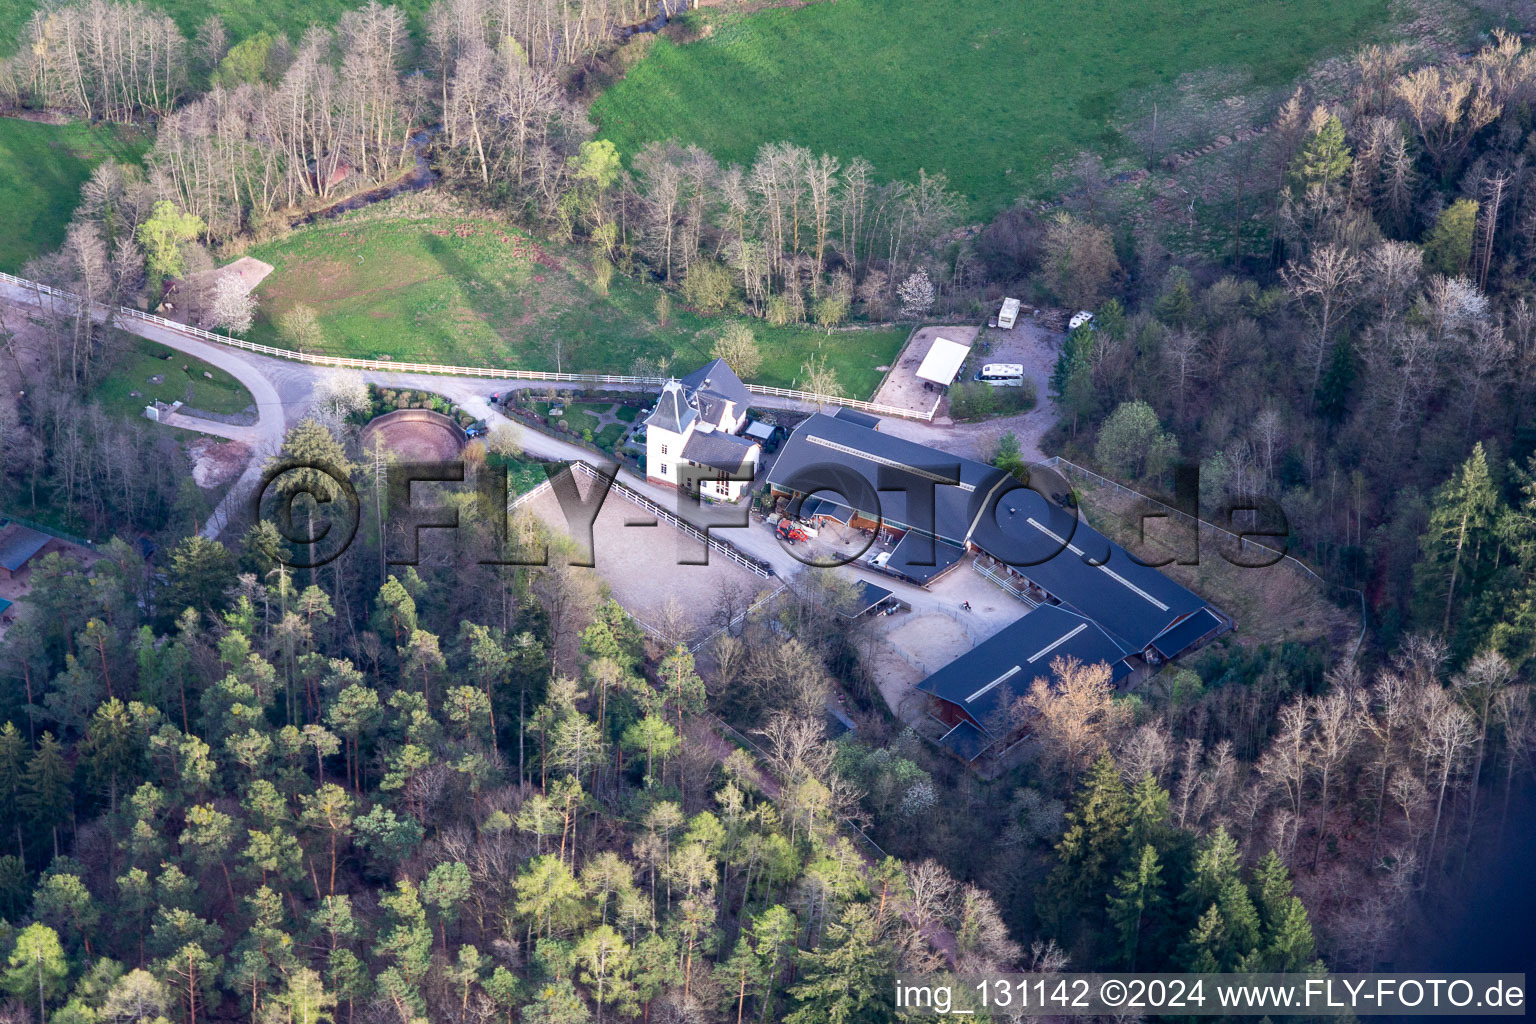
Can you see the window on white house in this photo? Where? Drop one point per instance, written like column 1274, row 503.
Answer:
column 663, row 449
column 663, row 469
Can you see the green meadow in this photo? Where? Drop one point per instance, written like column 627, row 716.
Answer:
column 42, row 167
column 991, row 92
column 471, row 292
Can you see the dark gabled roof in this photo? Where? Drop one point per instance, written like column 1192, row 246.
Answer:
column 818, row 508
column 922, row 559
column 863, row 419
column 984, row 681
column 966, row 741
column 869, row 596
column 824, row 449
column 1066, row 557
column 714, row 384
column 718, row 449
column 1081, row 567
column 1175, row 641
column 18, row 544
column 672, row 411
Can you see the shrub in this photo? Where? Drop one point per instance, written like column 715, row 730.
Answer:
column 708, row 286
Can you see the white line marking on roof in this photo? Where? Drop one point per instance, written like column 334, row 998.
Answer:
column 1106, row 570
column 1048, row 648
column 857, row 453
column 1000, row 679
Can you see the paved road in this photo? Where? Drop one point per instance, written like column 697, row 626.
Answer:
column 284, row 390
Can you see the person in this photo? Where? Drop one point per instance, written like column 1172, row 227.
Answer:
column 966, row 606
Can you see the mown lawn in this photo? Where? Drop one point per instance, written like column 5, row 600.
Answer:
column 42, row 167
column 991, row 92
column 470, row 292
column 146, row 360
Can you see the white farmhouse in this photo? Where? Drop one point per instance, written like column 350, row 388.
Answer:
column 693, row 435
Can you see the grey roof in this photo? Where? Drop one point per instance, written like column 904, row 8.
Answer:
column 922, row 559
column 718, row 448
column 863, row 419
column 760, row 430
column 967, row 741
column 672, row 411
column 985, row 680
column 714, row 384
column 1175, row 641
column 18, row 544
column 982, row 505
column 869, row 596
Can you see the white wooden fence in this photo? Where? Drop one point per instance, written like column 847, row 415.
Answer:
column 491, row 372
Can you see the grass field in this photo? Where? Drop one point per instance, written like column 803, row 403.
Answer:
column 470, row 292
column 42, row 167
column 991, row 92
column 146, row 360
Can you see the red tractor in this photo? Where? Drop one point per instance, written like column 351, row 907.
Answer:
column 790, row 531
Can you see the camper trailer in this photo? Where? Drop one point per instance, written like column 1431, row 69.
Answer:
column 1009, row 314
column 1002, row 375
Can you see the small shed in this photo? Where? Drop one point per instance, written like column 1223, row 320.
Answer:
column 759, row 431
column 18, row 546
column 943, row 361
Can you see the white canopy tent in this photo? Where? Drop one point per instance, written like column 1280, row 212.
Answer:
column 943, row 361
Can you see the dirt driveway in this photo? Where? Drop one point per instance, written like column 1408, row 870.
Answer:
column 901, row 386
column 637, row 557
column 1028, row 343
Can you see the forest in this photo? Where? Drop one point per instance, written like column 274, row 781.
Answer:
column 232, row 789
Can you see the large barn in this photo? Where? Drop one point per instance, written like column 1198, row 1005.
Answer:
column 974, row 693
column 937, row 507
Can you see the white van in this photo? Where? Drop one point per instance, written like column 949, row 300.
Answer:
column 1002, row 375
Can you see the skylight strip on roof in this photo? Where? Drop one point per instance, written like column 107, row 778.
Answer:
column 1048, row 648
column 1000, row 679
column 1133, row 588
column 857, row 453
column 1056, row 537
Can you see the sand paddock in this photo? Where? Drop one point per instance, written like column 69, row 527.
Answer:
column 901, row 386
column 415, row 435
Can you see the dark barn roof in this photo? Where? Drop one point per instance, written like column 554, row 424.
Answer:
column 1081, row 567
column 18, row 544
column 966, row 741
column 922, row 559
column 1186, row 634
column 984, row 681
column 862, row 419
column 825, row 450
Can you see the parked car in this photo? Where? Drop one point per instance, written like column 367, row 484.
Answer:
column 476, row 429
column 879, row 560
